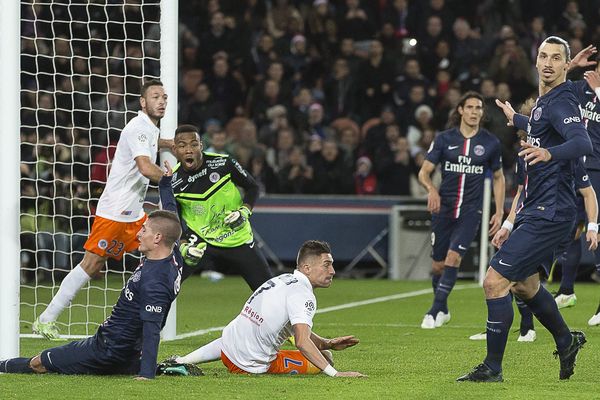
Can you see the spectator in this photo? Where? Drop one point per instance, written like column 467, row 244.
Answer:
column 201, row 108
column 423, row 120
column 404, row 82
column 277, row 117
column 395, row 165
column 277, row 156
column 365, row 180
column 427, row 44
column 340, row 91
column 511, row 65
column 355, row 23
column 296, row 177
column 315, row 123
column 218, row 39
column 375, row 136
column 331, row 173
column 225, row 89
column 262, row 173
column 375, row 81
column 218, row 143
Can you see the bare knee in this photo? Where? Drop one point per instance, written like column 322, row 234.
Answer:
column 453, row 259
column 495, row 285
column 36, row 365
column 525, row 291
column 437, row 267
column 92, row 263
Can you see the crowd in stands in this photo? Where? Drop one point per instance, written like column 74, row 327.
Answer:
column 346, row 96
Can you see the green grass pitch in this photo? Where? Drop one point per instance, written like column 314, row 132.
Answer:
column 402, row 361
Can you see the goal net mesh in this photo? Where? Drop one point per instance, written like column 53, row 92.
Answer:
column 82, row 66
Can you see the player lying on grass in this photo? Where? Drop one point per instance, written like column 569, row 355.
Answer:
column 282, row 306
column 127, row 342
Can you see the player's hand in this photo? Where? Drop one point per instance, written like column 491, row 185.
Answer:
column 350, row 374
column 592, row 239
column 192, row 253
column 508, row 110
column 592, row 78
column 581, row 59
column 236, row 219
column 168, row 169
column 343, row 342
column 495, row 223
column 433, row 201
column 140, row 378
column 500, row 237
column 533, row 155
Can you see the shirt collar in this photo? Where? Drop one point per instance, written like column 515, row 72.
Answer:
column 147, row 119
column 303, row 279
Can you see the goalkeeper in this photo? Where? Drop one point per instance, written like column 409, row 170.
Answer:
column 216, row 229
column 127, row 342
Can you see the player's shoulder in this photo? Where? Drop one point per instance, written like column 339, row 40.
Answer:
column 564, row 95
column 489, row 136
column 212, row 156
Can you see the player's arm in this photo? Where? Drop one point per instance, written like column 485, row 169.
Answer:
column 338, row 343
column 593, row 80
column 591, row 210
column 581, row 59
column 304, row 343
column 154, row 303
column 167, row 198
column 433, row 197
column 499, row 188
column 243, row 179
column 148, row 168
column 507, row 226
column 166, row 144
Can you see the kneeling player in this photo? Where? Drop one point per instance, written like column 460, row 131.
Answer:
column 127, row 342
column 283, row 305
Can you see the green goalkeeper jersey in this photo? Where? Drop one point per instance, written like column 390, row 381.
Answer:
column 205, row 196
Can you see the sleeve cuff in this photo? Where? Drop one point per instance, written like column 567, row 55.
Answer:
column 521, row 121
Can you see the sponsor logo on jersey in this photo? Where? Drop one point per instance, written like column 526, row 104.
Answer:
column 193, row 178
column 126, row 212
column 534, row 141
column 216, row 162
column 479, row 150
column 137, row 275
column 239, row 167
column 214, row 177
column 198, row 208
column 154, row 309
column 463, row 166
column 588, row 113
column 103, row 244
column 537, row 114
column 568, row 120
column 252, row 315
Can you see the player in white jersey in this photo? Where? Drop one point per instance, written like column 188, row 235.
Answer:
column 282, row 306
column 120, row 214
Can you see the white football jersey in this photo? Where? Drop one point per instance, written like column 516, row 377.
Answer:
column 123, row 197
column 252, row 339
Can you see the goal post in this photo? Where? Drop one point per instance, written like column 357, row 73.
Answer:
column 9, row 201
column 83, row 64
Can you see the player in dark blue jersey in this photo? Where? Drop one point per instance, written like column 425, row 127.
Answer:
column 556, row 137
column 127, row 342
column 587, row 92
column 465, row 153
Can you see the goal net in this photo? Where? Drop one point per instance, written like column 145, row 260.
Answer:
column 82, row 66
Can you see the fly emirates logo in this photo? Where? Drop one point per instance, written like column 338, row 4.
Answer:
column 588, row 112
column 463, row 166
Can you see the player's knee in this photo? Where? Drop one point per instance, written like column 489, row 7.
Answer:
column 36, row 365
column 491, row 286
column 92, row 263
column 437, row 267
column 453, row 258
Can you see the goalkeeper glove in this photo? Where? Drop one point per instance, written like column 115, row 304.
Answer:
column 236, row 219
column 192, row 254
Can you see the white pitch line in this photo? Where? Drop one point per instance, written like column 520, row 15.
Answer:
column 339, row 307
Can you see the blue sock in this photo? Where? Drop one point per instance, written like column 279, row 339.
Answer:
column 435, row 279
column 570, row 264
column 440, row 298
column 526, row 316
column 546, row 311
column 16, row 366
column 500, row 318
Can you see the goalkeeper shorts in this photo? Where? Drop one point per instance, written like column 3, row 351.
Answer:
column 290, row 362
column 112, row 239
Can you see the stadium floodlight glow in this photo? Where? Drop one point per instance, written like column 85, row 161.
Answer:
column 412, row 42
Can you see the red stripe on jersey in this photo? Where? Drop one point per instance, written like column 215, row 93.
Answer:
column 461, row 181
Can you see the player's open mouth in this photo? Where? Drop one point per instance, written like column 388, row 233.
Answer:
column 189, row 162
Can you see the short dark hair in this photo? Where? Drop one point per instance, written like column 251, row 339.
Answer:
column 186, row 128
column 454, row 119
column 562, row 42
column 167, row 223
column 312, row 248
column 147, row 84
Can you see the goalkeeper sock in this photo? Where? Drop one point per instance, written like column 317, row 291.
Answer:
column 68, row 289
column 569, row 268
column 16, row 366
column 206, row 353
column 440, row 299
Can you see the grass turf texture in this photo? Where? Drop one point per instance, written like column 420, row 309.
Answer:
column 402, row 360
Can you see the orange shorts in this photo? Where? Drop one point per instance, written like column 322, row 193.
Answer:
column 287, row 362
column 112, row 239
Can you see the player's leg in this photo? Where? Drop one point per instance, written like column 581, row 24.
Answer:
column 441, row 230
column 526, row 330
column 292, row 362
column 209, row 352
column 571, row 258
column 249, row 262
column 22, row 365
